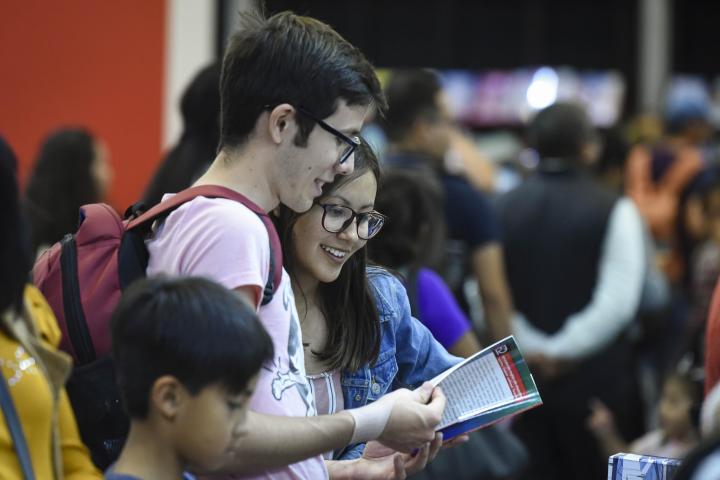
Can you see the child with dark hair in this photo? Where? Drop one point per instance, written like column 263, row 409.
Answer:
column 679, row 412
column 187, row 353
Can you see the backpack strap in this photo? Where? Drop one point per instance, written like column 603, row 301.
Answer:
column 216, row 191
column 15, row 428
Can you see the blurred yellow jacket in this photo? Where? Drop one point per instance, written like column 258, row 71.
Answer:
column 35, row 372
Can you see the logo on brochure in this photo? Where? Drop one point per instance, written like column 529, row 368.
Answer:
column 501, row 350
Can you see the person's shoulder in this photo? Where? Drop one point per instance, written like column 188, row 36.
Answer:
column 386, row 288
column 215, row 214
column 42, row 315
column 381, row 278
column 223, row 207
column 460, row 189
column 429, row 276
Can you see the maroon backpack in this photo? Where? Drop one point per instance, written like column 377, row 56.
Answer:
column 82, row 278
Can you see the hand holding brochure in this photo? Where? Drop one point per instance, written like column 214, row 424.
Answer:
column 492, row 384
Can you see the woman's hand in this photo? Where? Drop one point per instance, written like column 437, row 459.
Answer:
column 382, row 463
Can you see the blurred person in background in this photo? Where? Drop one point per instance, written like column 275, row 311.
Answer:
column 410, row 243
column 663, row 179
column 679, row 422
column 650, row 328
column 464, row 158
column 666, row 179
column 705, row 270
column 197, row 147
column 33, row 371
column 575, row 264
column 72, row 169
column 420, row 131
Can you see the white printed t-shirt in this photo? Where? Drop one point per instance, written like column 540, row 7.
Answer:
column 224, row 241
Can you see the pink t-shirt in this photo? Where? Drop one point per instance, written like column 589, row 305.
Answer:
column 224, row 241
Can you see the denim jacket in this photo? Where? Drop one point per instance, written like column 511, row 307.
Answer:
column 409, row 354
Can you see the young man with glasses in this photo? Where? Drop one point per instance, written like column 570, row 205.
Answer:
column 272, row 96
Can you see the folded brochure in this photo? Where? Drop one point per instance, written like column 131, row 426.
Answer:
column 493, row 384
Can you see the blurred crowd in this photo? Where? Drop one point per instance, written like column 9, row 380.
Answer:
column 602, row 260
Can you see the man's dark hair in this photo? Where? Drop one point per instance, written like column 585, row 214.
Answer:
column 560, row 131
column 290, row 59
column 348, row 303
column 60, row 183
column 190, row 328
column 411, row 94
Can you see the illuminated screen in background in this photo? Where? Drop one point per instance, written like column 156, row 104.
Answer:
column 510, row 98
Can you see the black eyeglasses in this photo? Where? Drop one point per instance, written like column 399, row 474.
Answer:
column 352, row 142
column 337, row 218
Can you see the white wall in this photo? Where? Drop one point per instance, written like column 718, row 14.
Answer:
column 190, row 45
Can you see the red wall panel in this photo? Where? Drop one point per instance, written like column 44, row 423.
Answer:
column 95, row 63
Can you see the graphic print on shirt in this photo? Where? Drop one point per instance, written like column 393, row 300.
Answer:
column 294, row 376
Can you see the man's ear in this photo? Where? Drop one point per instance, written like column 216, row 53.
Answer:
column 279, row 121
column 167, row 396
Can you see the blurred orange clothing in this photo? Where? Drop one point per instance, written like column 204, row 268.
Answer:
column 36, row 387
column 658, row 200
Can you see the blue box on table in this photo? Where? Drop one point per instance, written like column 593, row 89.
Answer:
column 628, row 466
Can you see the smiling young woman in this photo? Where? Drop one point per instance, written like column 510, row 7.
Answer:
column 360, row 340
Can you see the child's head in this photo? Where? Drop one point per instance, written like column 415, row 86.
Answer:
column 326, row 245
column 680, row 405
column 186, row 353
